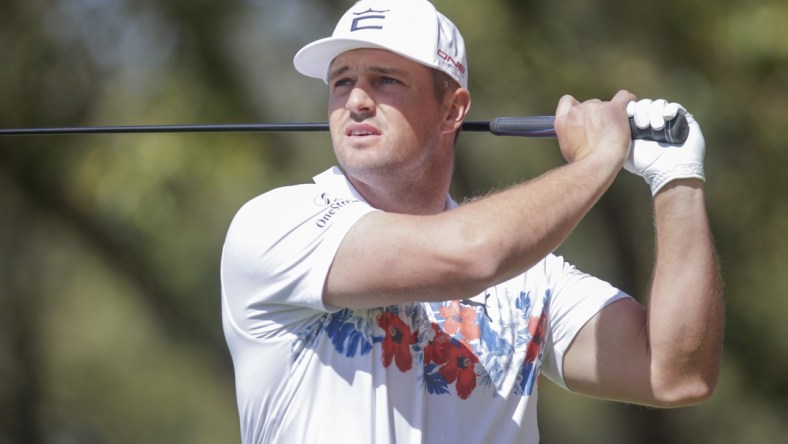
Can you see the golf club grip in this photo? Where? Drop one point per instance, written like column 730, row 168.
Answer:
column 674, row 132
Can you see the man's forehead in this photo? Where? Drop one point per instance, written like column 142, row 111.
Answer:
column 372, row 59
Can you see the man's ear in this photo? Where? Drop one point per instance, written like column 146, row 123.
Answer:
column 458, row 106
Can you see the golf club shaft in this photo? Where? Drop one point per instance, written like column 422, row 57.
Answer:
column 532, row 126
column 539, row 126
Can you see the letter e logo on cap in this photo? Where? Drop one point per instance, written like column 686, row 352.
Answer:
column 356, row 23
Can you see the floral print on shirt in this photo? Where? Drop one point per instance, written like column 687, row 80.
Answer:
column 459, row 347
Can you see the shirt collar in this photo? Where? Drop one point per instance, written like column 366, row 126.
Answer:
column 335, row 180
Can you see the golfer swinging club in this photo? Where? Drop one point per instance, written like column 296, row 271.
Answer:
column 370, row 307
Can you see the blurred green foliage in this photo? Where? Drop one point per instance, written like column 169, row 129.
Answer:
column 110, row 329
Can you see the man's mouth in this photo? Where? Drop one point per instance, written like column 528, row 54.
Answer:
column 361, row 133
column 361, row 130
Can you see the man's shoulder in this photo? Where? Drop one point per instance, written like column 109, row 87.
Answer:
column 284, row 195
column 329, row 186
column 276, row 204
column 293, row 205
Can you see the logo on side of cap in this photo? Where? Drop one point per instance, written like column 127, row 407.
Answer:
column 449, row 59
column 356, row 24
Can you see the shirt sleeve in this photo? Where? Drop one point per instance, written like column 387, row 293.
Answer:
column 277, row 254
column 576, row 298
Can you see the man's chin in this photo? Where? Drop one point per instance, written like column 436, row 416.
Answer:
column 366, row 169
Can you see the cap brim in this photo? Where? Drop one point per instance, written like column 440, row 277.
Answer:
column 314, row 59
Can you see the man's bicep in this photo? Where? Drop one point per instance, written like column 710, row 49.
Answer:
column 609, row 357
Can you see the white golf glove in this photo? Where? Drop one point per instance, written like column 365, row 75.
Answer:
column 659, row 163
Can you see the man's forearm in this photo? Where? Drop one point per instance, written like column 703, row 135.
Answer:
column 528, row 221
column 685, row 309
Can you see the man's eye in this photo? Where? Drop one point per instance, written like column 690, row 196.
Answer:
column 342, row 82
column 388, row 80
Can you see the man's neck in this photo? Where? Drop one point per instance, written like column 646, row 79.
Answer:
column 424, row 197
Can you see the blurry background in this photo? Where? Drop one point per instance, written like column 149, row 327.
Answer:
column 110, row 327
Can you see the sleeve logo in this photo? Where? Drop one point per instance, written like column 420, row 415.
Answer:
column 333, row 204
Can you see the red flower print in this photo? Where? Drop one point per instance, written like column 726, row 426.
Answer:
column 536, row 326
column 396, row 344
column 459, row 367
column 437, row 350
column 460, row 318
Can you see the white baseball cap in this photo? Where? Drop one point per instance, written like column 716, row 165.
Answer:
column 411, row 28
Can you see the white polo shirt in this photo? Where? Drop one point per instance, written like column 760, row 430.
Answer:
column 457, row 371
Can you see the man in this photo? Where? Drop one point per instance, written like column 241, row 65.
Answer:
column 370, row 307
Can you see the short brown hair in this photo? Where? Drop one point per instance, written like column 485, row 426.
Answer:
column 443, row 84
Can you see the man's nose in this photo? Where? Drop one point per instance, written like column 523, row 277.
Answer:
column 360, row 101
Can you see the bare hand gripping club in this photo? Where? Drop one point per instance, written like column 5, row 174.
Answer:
column 674, row 132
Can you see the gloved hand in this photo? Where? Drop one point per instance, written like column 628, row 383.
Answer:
column 659, row 163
